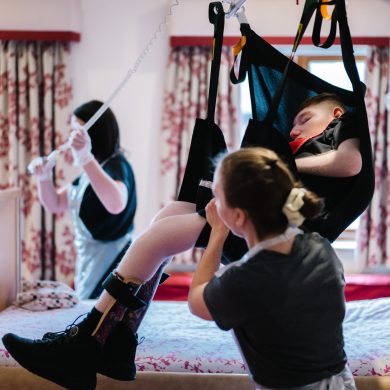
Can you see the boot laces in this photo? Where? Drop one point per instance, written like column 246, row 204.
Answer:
column 65, row 335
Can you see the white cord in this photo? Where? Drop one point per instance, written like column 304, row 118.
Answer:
column 234, row 7
column 129, row 73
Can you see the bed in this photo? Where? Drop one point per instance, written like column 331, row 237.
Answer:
column 180, row 351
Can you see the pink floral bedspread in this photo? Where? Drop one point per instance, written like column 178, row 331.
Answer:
column 176, row 341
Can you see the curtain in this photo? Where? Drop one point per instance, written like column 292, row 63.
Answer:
column 185, row 99
column 35, row 94
column 373, row 234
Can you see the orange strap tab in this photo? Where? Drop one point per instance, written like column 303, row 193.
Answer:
column 238, row 46
column 324, row 11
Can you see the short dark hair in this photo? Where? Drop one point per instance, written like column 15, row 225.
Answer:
column 258, row 181
column 331, row 98
column 105, row 131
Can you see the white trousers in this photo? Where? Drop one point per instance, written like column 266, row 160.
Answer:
column 342, row 381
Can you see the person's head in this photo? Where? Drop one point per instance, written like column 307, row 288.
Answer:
column 315, row 114
column 104, row 133
column 253, row 184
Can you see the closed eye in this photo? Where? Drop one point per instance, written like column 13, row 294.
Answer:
column 305, row 119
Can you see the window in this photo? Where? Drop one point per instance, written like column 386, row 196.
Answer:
column 331, row 69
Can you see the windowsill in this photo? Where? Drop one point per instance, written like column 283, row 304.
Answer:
column 346, row 251
column 345, row 245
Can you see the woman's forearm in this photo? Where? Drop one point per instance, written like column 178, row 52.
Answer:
column 206, row 269
column 53, row 200
column 210, row 261
column 113, row 194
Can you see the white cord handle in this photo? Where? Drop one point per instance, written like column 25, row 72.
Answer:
column 234, row 7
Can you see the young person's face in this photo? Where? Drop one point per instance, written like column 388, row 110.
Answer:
column 313, row 120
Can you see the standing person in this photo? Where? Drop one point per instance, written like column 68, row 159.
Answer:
column 102, row 199
column 284, row 299
column 105, row 340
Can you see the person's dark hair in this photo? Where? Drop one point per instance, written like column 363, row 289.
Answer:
column 325, row 97
column 257, row 181
column 104, row 133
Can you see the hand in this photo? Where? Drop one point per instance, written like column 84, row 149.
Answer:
column 214, row 220
column 42, row 168
column 80, row 144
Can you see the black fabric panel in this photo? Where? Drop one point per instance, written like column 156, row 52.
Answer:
column 207, row 142
column 207, row 139
column 259, row 133
column 102, row 225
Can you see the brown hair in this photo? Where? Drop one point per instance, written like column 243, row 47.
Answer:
column 325, row 97
column 257, row 181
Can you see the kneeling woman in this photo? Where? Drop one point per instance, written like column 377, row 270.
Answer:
column 284, row 300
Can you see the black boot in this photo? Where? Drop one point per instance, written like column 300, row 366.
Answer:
column 118, row 353
column 73, row 357
column 120, row 347
column 71, row 360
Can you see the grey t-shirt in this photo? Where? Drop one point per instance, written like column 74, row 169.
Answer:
column 286, row 312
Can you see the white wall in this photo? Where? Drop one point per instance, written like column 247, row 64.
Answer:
column 114, row 32
column 281, row 17
column 42, row 15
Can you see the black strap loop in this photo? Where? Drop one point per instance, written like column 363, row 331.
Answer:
column 239, row 77
column 316, row 36
column 308, row 10
column 348, row 56
column 217, row 18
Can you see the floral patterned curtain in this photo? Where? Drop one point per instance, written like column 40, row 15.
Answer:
column 185, row 100
column 374, row 229
column 35, row 93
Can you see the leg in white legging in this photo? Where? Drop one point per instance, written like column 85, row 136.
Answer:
column 175, row 208
column 174, row 230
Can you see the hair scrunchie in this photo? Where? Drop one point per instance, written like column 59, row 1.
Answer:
column 292, row 206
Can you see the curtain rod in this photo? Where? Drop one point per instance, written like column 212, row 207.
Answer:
column 33, row 35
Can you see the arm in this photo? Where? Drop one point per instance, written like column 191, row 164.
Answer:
column 53, row 200
column 112, row 193
column 345, row 161
column 208, row 265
